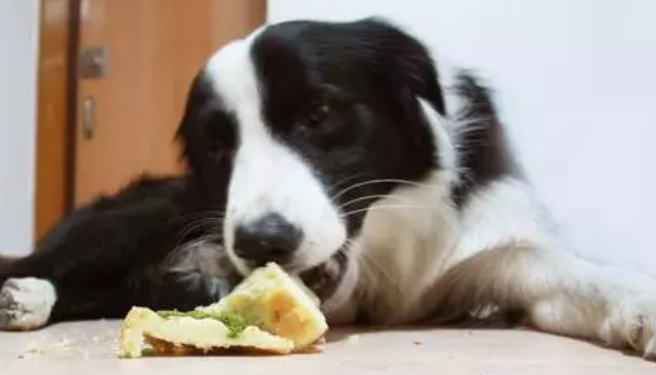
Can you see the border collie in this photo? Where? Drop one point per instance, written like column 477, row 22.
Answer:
column 344, row 153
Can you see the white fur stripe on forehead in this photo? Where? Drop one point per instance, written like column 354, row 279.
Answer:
column 269, row 176
column 232, row 74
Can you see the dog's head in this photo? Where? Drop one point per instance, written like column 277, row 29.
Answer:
column 302, row 126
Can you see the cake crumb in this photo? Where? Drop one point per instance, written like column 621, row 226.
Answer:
column 64, row 344
column 354, row 339
column 33, row 348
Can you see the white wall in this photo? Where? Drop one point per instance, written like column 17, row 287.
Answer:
column 19, row 24
column 577, row 84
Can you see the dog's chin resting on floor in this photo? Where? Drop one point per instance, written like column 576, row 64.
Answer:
column 350, row 156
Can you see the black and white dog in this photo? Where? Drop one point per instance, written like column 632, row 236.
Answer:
column 344, row 153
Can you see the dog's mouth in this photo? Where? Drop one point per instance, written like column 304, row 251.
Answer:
column 325, row 279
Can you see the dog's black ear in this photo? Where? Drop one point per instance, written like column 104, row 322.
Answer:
column 194, row 117
column 205, row 132
column 398, row 61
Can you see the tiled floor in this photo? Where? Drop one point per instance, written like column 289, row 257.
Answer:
column 90, row 348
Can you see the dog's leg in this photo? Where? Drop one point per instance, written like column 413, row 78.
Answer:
column 163, row 294
column 558, row 293
column 97, row 261
column 31, row 303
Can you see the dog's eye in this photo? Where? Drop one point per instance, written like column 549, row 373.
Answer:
column 318, row 113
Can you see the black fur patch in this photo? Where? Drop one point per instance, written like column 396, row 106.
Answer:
column 208, row 135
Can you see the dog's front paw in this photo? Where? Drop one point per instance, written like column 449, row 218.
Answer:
column 633, row 324
column 25, row 304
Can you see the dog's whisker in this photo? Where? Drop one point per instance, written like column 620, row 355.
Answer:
column 375, row 196
column 196, row 218
column 385, row 207
column 202, row 214
column 381, row 181
column 344, row 181
column 204, row 224
column 186, row 230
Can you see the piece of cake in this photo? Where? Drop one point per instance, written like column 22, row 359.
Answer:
column 269, row 312
column 277, row 303
column 146, row 332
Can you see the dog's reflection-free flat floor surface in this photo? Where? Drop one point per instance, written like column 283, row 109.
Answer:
column 83, row 348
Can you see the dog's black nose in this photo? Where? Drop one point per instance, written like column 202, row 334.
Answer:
column 270, row 239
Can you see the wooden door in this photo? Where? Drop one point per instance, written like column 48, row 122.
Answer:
column 54, row 144
column 127, row 117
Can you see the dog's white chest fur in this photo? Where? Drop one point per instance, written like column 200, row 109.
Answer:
column 406, row 243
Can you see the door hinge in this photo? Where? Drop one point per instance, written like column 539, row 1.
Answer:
column 94, row 62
